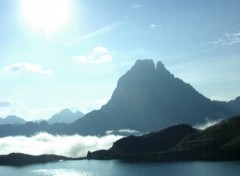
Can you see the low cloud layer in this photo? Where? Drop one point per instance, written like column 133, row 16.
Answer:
column 124, row 132
column 44, row 143
column 207, row 124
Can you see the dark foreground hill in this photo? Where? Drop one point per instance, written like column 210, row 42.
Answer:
column 175, row 143
column 19, row 159
column 180, row 142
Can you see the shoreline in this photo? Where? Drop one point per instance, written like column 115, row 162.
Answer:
column 20, row 159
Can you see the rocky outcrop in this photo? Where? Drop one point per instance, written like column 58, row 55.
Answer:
column 148, row 98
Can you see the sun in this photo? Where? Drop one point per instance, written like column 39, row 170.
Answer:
column 46, row 15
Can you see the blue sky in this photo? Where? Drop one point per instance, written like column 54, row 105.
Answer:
column 70, row 53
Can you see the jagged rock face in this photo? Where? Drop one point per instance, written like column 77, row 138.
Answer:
column 149, row 98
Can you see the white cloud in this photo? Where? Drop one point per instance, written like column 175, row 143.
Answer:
column 58, row 172
column 123, row 132
column 227, row 39
column 96, row 56
column 207, row 124
column 44, row 143
column 35, row 68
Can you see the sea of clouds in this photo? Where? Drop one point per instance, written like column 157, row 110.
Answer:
column 70, row 146
column 44, row 143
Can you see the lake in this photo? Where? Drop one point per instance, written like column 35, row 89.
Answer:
column 118, row 168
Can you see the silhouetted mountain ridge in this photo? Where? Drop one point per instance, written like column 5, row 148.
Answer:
column 232, row 106
column 65, row 116
column 149, row 98
column 31, row 128
column 11, row 119
column 180, row 142
column 20, row 159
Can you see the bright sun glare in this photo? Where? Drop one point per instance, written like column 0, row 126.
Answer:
column 46, row 15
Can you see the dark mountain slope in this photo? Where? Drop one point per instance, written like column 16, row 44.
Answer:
column 153, row 142
column 149, row 99
column 232, row 106
column 219, row 141
column 19, row 159
column 181, row 142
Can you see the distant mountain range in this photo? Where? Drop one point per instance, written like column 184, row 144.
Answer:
column 65, row 116
column 11, row 119
column 220, row 142
column 147, row 98
column 180, row 142
column 14, row 126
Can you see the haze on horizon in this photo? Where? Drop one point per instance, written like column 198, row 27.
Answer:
column 57, row 54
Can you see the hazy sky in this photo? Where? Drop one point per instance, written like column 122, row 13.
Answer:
column 70, row 53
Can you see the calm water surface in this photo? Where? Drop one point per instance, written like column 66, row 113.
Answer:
column 118, row 168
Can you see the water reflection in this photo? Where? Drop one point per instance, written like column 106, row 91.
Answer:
column 62, row 172
column 119, row 168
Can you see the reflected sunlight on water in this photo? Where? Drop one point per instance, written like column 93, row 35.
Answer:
column 62, row 172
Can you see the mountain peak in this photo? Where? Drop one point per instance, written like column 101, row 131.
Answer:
column 148, row 66
column 66, row 111
column 66, row 116
column 237, row 99
column 160, row 66
column 148, row 98
column 11, row 119
column 143, row 65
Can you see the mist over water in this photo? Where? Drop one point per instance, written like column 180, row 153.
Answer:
column 44, row 143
